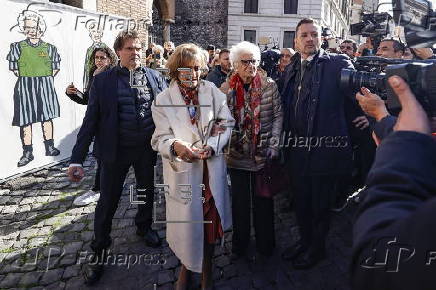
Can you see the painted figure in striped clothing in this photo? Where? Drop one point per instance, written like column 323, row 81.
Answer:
column 35, row 63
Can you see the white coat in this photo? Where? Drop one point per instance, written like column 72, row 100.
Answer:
column 185, row 234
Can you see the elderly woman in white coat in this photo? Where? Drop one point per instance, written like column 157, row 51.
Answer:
column 193, row 125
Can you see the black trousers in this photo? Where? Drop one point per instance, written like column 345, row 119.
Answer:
column 243, row 197
column 96, row 186
column 112, row 176
column 314, row 196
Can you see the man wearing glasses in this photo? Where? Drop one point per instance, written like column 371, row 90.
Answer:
column 285, row 59
column 119, row 116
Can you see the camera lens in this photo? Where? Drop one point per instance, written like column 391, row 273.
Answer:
column 352, row 81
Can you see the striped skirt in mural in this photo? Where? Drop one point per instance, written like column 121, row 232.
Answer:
column 35, row 100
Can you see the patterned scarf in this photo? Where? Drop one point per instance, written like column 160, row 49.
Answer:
column 246, row 112
column 190, row 96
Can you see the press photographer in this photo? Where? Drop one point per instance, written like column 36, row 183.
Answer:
column 375, row 27
column 390, row 48
column 394, row 237
column 419, row 74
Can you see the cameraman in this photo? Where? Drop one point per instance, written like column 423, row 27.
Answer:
column 394, row 234
column 349, row 47
column 390, row 48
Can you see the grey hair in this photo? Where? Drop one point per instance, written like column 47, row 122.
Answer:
column 290, row 50
column 158, row 48
column 31, row 15
column 244, row 47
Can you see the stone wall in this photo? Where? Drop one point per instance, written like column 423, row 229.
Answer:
column 202, row 22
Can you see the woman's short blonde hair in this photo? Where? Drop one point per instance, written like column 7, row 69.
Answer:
column 183, row 55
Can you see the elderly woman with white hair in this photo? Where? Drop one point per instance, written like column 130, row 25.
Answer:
column 255, row 104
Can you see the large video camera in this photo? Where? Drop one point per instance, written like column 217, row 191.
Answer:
column 374, row 25
column 269, row 60
column 419, row 21
column 420, row 75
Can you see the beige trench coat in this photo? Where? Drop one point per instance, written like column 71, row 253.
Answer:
column 173, row 123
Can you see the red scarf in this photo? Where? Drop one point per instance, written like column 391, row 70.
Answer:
column 190, row 96
column 246, row 111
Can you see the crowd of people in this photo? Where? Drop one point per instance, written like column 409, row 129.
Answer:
column 215, row 113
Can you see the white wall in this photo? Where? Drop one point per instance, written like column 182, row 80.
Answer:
column 90, row 5
column 272, row 22
column 71, row 45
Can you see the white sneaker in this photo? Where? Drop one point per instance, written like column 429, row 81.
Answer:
column 88, row 197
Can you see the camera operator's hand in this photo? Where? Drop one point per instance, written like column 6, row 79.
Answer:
column 412, row 116
column 372, row 104
column 361, row 122
column 362, row 47
column 423, row 53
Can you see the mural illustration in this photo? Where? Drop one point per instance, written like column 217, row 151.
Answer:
column 35, row 63
column 96, row 35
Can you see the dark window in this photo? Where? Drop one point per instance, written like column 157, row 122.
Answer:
column 250, row 36
column 288, row 39
column 291, row 6
column 250, row 6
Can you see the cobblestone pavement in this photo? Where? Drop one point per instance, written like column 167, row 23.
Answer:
column 44, row 240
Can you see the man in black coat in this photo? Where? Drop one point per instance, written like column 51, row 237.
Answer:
column 119, row 117
column 317, row 146
column 394, row 235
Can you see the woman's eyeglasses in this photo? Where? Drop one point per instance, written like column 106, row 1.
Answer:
column 189, row 69
column 249, row 61
column 285, row 55
column 101, row 57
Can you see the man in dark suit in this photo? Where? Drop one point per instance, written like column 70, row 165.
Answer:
column 119, row 117
column 318, row 150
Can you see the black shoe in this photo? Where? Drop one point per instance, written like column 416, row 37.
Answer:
column 25, row 159
column 293, row 251
column 308, row 259
column 93, row 271
column 151, row 237
column 50, row 150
